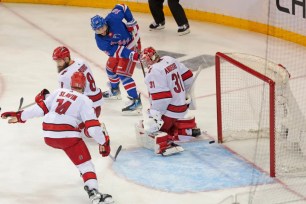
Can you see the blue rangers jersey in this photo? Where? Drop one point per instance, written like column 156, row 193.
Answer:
column 119, row 41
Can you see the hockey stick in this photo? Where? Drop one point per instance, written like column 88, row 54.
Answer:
column 119, row 148
column 143, row 71
column 116, row 154
column 201, row 67
column 31, row 104
column 190, row 92
column 134, row 42
column 20, row 103
column 195, row 77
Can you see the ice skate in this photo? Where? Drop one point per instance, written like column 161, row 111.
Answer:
column 112, row 93
column 195, row 132
column 172, row 149
column 157, row 26
column 183, row 30
column 98, row 198
column 134, row 107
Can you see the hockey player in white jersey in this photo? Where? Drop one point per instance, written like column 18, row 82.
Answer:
column 66, row 67
column 167, row 81
column 62, row 112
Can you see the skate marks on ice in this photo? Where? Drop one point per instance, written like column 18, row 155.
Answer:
column 195, row 62
column 201, row 167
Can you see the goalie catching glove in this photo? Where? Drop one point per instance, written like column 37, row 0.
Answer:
column 154, row 122
column 42, row 95
column 15, row 117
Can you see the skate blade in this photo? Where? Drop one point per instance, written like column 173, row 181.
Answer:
column 108, row 201
column 137, row 112
column 112, row 98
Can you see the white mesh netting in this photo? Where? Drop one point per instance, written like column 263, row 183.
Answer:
column 246, row 113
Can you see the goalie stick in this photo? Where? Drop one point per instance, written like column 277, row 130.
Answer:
column 195, row 77
column 197, row 74
column 190, row 91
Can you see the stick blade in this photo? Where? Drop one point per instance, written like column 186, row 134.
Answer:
column 117, row 152
column 20, row 103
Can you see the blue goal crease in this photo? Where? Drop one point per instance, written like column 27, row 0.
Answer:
column 201, row 167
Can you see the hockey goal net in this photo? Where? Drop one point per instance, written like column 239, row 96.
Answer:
column 254, row 102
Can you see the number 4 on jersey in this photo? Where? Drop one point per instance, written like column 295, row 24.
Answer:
column 62, row 107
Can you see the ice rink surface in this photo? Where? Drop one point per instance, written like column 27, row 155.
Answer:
column 32, row 172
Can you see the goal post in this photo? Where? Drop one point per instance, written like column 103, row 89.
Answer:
column 252, row 96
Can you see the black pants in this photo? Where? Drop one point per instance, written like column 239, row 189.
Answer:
column 156, row 8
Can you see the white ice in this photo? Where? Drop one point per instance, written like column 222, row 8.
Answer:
column 32, row 172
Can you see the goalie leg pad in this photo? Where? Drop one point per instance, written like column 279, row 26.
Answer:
column 159, row 141
column 164, row 146
column 143, row 139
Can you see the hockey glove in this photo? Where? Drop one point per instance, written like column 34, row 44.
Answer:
column 15, row 117
column 42, row 95
column 154, row 122
column 134, row 56
column 133, row 28
column 105, row 148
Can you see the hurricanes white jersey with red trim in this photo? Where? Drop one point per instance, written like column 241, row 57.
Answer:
column 167, row 82
column 64, row 110
column 93, row 92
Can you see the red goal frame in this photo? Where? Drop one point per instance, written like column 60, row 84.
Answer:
column 264, row 78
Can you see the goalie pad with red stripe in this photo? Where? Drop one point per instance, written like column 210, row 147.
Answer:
column 158, row 141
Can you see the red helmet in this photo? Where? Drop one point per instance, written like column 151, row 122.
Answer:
column 60, row 53
column 78, row 80
column 149, row 56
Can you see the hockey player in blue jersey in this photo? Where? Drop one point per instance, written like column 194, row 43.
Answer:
column 121, row 42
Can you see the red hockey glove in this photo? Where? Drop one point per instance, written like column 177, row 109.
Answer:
column 105, row 148
column 42, row 95
column 132, row 27
column 15, row 117
column 134, row 56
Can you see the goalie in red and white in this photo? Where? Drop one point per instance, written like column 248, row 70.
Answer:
column 167, row 81
column 63, row 111
column 67, row 66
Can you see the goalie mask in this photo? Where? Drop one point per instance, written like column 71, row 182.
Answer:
column 78, row 80
column 149, row 56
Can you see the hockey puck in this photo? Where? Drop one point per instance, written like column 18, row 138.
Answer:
column 212, row 141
